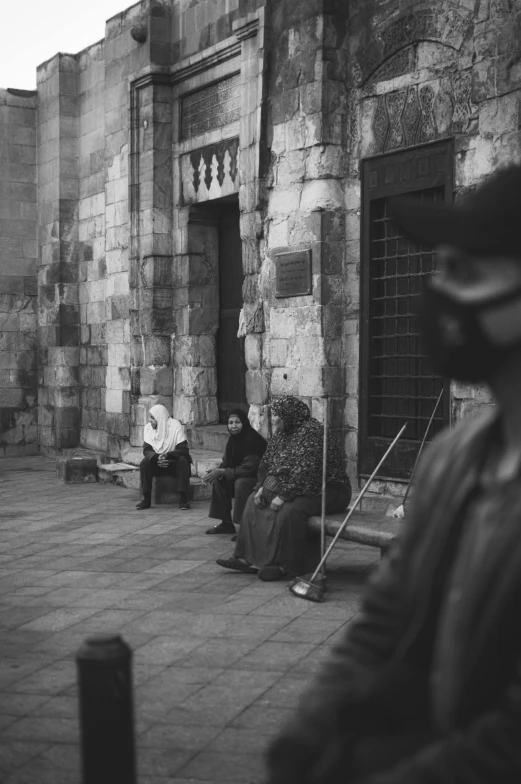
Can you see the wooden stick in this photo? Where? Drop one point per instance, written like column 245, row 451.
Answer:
column 324, row 478
column 421, row 448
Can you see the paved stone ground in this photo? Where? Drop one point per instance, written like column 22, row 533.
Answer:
column 219, row 658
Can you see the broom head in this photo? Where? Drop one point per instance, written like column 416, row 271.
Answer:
column 305, row 589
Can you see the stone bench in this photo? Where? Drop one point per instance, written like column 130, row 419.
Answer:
column 364, row 528
column 164, row 488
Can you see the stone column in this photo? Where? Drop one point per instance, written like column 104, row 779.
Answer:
column 151, row 274
column 254, row 158
column 305, row 205
column 58, row 298
column 139, row 225
column 114, row 355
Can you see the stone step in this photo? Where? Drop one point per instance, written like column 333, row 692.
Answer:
column 212, row 438
column 363, row 528
column 204, row 460
column 379, row 503
column 164, row 488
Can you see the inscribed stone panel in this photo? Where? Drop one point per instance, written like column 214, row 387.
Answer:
column 211, row 107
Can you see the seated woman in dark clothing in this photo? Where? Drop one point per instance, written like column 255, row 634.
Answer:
column 273, row 539
column 237, row 475
column 166, row 453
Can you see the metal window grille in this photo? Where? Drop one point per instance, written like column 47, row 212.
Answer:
column 402, row 385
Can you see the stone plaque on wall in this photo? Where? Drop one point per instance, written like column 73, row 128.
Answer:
column 293, row 274
column 211, row 107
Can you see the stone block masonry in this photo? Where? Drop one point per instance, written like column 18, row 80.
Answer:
column 18, row 260
column 111, row 260
column 58, row 273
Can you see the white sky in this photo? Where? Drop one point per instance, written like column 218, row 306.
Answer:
column 35, row 30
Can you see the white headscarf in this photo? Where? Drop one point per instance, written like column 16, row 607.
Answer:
column 168, row 434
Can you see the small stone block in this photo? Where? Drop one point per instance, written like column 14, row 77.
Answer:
column 109, row 472
column 76, row 470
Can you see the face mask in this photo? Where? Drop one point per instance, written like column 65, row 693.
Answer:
column 454, row 338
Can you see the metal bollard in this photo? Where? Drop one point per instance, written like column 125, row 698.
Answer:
column 106, row 712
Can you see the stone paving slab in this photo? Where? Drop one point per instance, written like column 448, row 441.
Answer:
column 220, row 658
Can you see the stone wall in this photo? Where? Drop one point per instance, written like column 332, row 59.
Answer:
column 202, row 24
column 91, row 250
column 128, row 256
column 85, row 279
column 305, row 200
column 58, row 296
column 18, row 259
column 414, row 75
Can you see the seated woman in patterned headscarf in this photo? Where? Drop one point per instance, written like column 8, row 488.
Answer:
column 273, row 539
column 165, row 453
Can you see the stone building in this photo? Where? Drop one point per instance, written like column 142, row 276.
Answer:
column 197, row 204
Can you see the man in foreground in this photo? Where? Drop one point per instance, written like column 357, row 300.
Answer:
column 426, row 686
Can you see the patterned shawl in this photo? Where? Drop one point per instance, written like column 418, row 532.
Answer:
column 294, row 456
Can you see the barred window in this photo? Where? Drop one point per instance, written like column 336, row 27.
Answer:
column 397, row 382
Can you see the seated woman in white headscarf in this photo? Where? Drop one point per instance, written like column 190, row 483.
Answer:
column 166, row 453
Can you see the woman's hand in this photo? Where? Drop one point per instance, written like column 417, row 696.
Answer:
column 259, row 500
column 277, row 503
column 213, row 475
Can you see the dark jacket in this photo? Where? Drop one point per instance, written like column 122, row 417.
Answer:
column 376, row 685
column 181, row 450
column 247, row 469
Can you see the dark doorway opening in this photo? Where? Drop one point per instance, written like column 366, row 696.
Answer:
column 397, row 381
column 231, row 365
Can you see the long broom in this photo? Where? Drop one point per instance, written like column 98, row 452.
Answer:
column 309, row 589
column 400, row 510
column 322, row 578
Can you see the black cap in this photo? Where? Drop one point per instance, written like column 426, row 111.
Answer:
column 486, row 222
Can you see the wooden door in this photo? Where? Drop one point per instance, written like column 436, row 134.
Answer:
column 231, row 367
column 397, row 381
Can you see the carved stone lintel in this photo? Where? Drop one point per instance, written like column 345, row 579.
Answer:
column 407, row 117
column 411, row 116
column 395, row 107
column 380, row 124
column 211, row 171
column 427, row 130
column 463, row 109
